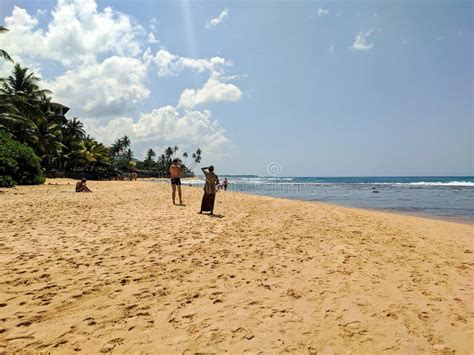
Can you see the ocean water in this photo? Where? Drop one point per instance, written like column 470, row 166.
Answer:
column 439, row 197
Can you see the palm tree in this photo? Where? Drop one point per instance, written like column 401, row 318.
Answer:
column 3, row 53
column 150, row 154
column 185, row 157
column 117, row 147
column 169, row 153
column 23, row 85
column 72, row 136
column 21, row 90
column 10, row 118
column 74, row 129
column 94, row 155
column 196, row 159
column 121, row 152
column 125, row 142
column 48, row 145
column 128, row 154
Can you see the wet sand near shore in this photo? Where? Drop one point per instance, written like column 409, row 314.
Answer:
column 123, row 270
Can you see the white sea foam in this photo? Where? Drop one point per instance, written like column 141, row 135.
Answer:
column 449, row 183
column 271, row 181
column 192, row 181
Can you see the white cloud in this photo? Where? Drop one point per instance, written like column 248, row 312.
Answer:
column 40, row 12
column 360, row 42
column 153, row 23
column 166, row 126
column 213, row 91
column 112, row 87
column 20, row 20
column 170, row 64
column 331, row 48
column 215, row 21
column 152, row 39
column 323, row 12
column 77, row 31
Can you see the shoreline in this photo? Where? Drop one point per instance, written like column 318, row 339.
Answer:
column 457, row 220
column 123, row 269
column 454, row 219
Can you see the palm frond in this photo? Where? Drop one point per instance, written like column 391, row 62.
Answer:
column 6, row 56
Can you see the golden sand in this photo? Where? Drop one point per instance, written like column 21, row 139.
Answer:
column 124, row 270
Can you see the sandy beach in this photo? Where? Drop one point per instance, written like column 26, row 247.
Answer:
column 124, row 270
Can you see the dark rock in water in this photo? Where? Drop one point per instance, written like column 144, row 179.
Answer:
column 375, row 192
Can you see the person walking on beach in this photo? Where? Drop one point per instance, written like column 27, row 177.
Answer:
column 82, row 187
column 175, row 173
column 225, row 184
column 210, row 189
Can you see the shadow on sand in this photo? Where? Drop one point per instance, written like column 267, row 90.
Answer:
column 214, row 215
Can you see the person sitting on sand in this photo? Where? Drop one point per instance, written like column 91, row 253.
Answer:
column 82, row 187
column 175, row 173
column 210, row 189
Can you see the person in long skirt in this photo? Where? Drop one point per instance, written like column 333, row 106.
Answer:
column 210, row 189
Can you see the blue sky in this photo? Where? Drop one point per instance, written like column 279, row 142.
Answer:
column 322, row 88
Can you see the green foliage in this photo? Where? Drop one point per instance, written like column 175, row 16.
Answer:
column 6, row 181
column 94, row 156
column 18, row 163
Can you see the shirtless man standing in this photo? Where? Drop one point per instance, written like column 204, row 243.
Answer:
column 175, row 172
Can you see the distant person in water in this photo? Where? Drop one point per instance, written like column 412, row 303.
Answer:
column 175, row 173
column 225, row 184
column 82, row 187
column 210, row 189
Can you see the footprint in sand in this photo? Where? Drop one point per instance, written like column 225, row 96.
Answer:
column 353, row 328
column 25, row 323
column 107, row 347
column 392, row 315
column 423, row 316
column 243, row 333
